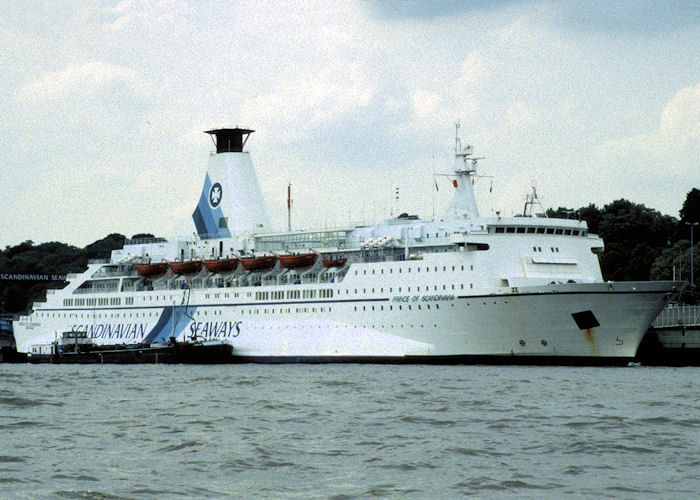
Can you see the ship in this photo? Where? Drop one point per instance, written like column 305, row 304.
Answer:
column 454, row 288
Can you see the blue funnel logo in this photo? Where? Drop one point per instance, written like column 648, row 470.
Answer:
column 215, row 195
column 208, row 216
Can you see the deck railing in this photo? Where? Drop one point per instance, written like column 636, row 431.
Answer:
column 678, row 315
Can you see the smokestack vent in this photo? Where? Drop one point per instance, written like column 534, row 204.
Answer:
column 230, row 140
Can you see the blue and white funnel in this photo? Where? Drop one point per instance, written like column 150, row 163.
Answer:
column 231, row 203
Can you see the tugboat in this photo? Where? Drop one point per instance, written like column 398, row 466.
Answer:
column 77, row 348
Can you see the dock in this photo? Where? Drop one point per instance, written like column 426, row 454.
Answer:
column 674, row 338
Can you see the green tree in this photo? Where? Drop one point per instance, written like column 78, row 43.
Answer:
column 51, row 258
column 690, row 212
column 634, row 236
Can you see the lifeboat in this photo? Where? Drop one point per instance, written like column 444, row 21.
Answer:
column 334, row 263
column 186, row 267
column 294, row 261
column 151, row 269
column 221, row 266
column 258, row 263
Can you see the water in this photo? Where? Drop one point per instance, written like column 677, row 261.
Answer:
column 348, row 431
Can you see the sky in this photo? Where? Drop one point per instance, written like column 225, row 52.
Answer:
column 104, row 104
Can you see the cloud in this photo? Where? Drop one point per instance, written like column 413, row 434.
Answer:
column 639, row 17
column 363, row 94
column 476, row 70
column 86, row 78
column 148, row 14
column 427, row 10
column 424, row 103
column 301, row 105
column 657, row 168
column 676, row 140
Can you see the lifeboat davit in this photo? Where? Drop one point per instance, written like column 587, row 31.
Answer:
column 186, row 267
column 221, row 266
column 258, row 263
column 294, row 261
column 334, row 263
column 151, row 269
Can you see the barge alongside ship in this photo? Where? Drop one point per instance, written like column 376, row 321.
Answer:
column 457, row 288
column 78, row 348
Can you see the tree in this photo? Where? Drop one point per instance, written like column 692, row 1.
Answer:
column 51, row 258
column 102, row 249
column 634, row 236
column 690, row 212
column 591, row 214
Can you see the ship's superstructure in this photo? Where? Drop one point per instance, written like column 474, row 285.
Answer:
column 407, row 289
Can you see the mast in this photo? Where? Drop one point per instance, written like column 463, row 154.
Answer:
column 463, row 204
column 289, row 207
column 530, row 201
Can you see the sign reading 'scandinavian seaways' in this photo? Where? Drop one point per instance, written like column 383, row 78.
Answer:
column 33, row 277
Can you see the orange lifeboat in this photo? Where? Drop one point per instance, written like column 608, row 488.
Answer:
column 334, row 263
column 221, row 266
column 258, row 263
column 186, row 267
column 294, row 261
column 151, row 269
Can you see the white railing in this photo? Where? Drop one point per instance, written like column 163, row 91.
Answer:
column 678, row 315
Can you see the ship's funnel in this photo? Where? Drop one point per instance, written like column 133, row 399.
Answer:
column 231, row 202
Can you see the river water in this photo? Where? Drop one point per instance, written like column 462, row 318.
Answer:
column 348, row 431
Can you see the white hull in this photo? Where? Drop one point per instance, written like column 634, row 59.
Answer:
column 533, row 322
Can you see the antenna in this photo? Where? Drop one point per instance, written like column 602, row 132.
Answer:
column 458, row 142
column 434, row 191
column 289, row 207
column 530, row 201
